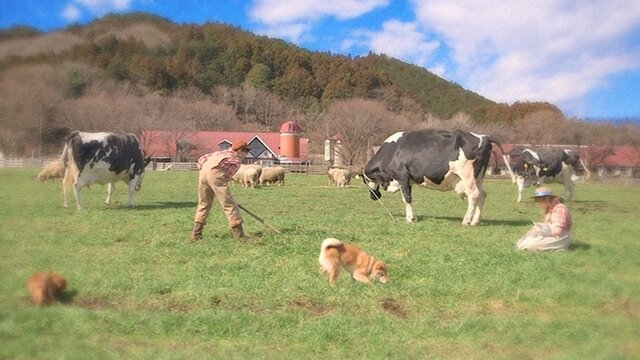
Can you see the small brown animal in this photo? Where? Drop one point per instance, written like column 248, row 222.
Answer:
column 45, row 287
column 362, row 266
column 54, row 169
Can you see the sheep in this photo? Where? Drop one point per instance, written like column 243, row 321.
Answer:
column 272, row 174
column 251, row 177
column 238, row 177
column 341, row 177
column 54, row 169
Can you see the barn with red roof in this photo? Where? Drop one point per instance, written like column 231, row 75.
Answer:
column 286, row 146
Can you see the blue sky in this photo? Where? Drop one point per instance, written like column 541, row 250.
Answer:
column 583, row 56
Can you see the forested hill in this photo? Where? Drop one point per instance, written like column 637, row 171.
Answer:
column 162, row 56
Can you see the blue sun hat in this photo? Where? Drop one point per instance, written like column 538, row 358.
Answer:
column 543, row 192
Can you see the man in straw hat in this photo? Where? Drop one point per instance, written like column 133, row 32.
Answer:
column 216, row 169
column 555, row 232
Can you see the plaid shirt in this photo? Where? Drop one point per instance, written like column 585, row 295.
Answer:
column 229, row 164
column 560, row 217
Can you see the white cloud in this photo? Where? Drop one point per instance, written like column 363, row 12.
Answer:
column 98, row 7
column 546, row 50
column 291, row 31
column 285, row 11
column 402, row 40
column 293, row 19
column 71, row 13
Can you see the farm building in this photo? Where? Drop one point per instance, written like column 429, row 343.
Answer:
column 285, row 146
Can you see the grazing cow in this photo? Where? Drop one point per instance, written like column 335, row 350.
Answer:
column 102, row 158
column 437, row 159
column 540, row 166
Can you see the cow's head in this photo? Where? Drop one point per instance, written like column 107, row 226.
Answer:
column 573, row 159
column 373, row 186
column 137, row 178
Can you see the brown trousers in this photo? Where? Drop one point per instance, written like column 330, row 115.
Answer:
column 214, row 183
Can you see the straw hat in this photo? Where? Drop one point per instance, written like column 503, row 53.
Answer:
column 542, row 192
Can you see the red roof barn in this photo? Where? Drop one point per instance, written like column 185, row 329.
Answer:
column 266, row 147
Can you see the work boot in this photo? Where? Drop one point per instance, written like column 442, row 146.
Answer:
column 237, row 231
column 196, row 233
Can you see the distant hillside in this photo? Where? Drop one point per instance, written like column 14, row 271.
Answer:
column 438, row 96
column 153, row 52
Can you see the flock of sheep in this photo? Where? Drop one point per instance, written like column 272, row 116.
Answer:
column 248, row 175
column 251, row 175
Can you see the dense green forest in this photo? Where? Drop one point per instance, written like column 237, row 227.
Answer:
column 138, row 71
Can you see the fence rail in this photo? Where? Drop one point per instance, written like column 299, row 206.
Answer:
column 312, row 169
column 308, row 169
column 23, row 163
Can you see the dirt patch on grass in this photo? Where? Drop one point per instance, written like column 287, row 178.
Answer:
column 625, row 306
column 91, row 303
column 394, row 308
column 311, row 306
column 588, row 207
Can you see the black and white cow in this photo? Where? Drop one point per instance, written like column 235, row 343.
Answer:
column 540, row 166
column 102, row 158
column 437, row 159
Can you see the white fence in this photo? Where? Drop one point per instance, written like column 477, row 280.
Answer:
column 600, row 173
column 290, row 168
column 24, row 163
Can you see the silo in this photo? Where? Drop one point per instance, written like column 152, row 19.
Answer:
column 290, row 140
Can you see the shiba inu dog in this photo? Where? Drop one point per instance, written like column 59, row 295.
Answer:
column 362, row 266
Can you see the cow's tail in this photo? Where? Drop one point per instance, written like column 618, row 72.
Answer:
column 505, row 158
column 66, row 155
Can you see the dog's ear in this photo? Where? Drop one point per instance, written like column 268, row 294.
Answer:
column 380, row 265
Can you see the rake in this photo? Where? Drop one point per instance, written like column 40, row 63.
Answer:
column 259, row 218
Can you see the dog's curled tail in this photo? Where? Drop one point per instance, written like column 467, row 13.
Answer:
column 325, row 263
column 329, row 243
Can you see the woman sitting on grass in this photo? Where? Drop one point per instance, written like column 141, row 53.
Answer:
column 555, row 232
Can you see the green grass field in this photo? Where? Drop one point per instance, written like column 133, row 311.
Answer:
column 137, row 288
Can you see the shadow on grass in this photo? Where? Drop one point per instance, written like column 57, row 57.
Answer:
column 485, row 222
column 156, row 205
column 67, row 296
column 575, row 245
column 587, row 202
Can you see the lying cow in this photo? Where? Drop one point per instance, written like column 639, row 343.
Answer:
column 437, row 159
column 541, row 166
column 102, row 158
column 338, row 176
